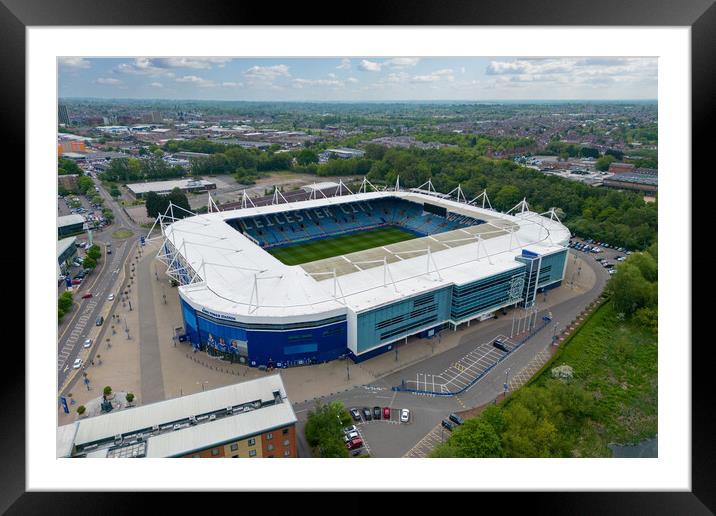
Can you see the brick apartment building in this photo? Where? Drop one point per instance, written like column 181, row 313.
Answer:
column 253, row 419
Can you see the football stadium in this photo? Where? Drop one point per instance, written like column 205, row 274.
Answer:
column 348, row 276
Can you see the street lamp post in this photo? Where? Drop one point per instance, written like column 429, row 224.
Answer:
column 202, row 384
column 507, row 374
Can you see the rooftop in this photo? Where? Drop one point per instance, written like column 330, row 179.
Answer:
column 223, row 258
column 181, row 425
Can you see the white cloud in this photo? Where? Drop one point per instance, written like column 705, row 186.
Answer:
column 352, row 79
column 329, row 83
column 266, row 73
column 74, row 62
column 402, row 62
column 231, row 84
column 345, row 64
column 369, row 66
column 193, row 79
column 445, row 73
column 204, row 63
column 156, row 85
column 108, row 81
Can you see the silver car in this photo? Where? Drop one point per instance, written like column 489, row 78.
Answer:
column 87, row 344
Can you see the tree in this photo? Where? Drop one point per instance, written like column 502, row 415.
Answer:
column 178, row 198
column 306, row 156
column 115, row 192
column 65, row 301
column 476, row 438
column 323, row 429
column 85, row 184
column 646, row 264
column 107, row 391
column 67, row 166
column 629, row 290
column 94, row 252
column 89, row 262
column 603, row 163
column 129, row 397
column 81, row 410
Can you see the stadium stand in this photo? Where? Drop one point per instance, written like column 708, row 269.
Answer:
column 293, row 227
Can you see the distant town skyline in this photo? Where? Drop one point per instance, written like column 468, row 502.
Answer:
column 356, row 79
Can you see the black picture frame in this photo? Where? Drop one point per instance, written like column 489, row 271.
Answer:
column 700, row 15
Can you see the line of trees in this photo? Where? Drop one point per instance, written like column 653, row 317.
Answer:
column 567, row 418
column 157, row 204
column 64, row 304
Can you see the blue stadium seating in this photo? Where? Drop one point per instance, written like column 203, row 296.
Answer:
column 308, row 224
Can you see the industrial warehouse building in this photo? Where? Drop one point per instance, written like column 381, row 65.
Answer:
column 245, row 420
column 70, row 224
column 139, row 190
column 459, row 262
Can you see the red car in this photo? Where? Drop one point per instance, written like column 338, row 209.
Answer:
column 87, row 296
column 76, row 281
column 386, row 412
column 356, row 442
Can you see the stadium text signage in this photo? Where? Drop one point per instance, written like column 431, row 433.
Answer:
column 218, row 316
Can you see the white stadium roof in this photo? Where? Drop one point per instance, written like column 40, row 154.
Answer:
column 238, row 280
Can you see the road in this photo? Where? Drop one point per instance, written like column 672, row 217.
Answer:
column 100, row 283
column 391, row 439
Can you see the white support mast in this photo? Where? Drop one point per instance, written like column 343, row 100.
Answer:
column 246, row 200
column 211, row 205
column 484, row 198
column 397, row 183
column 276, row 195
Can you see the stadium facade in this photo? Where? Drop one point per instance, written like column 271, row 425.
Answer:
column 461, row 263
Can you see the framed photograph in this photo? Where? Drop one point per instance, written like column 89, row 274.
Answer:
column 417, row 222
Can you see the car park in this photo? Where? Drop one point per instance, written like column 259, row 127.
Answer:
column 356, row 442
column 87, row 344
column 447, row 424
column 404, row 415
column 366, row 414
column 386, row 412
column 355, row 414
column 456, row 419
column 376, row 412
column 77, row 363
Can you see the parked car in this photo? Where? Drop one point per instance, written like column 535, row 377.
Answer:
column 447, row 424
column 499, row 345
column 77, row 281
column 376, row 412
column 456, row 419
column 366, row 414
column 350, row 436
column 110, row 297
column 86, row 295
column 99, row 321
column 109, row 251
column 354, row 443
column 404, row 415
column 349, row 429
column 87, row 344
column 386, row 412
column 355, row 414
column 77, row 363
column 612, row 271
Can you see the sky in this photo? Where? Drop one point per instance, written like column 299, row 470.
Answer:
column 360, row 78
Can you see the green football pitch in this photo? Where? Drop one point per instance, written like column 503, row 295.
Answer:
column 338, row 245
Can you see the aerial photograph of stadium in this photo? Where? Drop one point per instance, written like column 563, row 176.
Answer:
column 389, row 257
